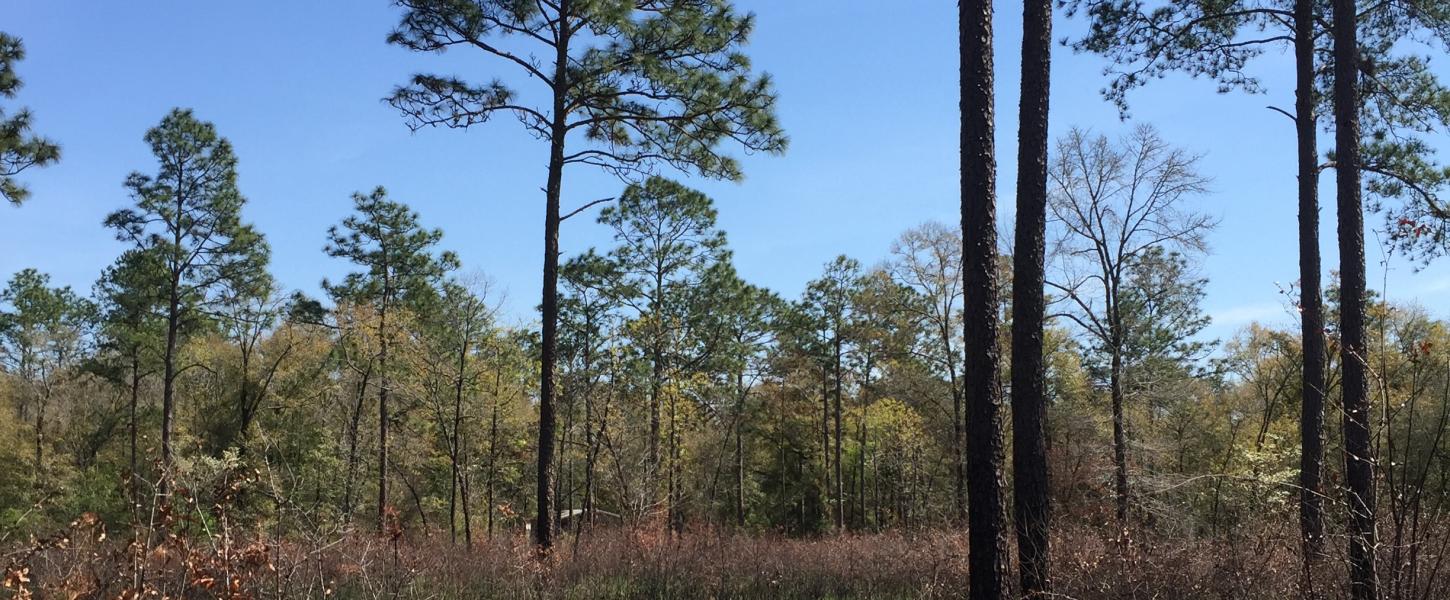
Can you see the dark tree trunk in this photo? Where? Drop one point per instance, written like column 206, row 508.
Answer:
column 544, row 523
column 545, row 519
column 656, row 382
column 1120, row 433
column 676, row 516
column 467, row 514
column 591, row 440
column 454, row 440
column 383, row 415
column 1358, row 441
column 354, row 428
column 492, row 462
column 40, row 435
column 168, row 385
column 840, row 499
column 1311, row 423
column 135, row 400
column 244, row 397
column 825, row 434
column 1029, row 394
column 959, row 432
column 740, row 449
column 987, row 559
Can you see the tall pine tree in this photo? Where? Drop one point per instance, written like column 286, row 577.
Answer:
column 629, row 86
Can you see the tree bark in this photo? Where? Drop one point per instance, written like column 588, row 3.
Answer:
column 40, row 435
column 1358, row 441
column 987, row 540
column 1029, row 394
column 135, row 400
column 455, row 439
column 354, row 428
column 740, row 449
column 825, row 433
column 959, row 430
column 168, row 386
column 545, row 518
column 840, row 499
column 591, row 441
column 492, row 461
column 1311, row 422
column 383, row 414
column 1120, row 433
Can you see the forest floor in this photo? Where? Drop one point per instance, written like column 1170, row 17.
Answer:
column 632, row 563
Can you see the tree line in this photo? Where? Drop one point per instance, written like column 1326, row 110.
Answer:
column 661, row 387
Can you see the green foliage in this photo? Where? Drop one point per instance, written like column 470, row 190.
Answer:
column 1161, row 311
column 1404, row 101
column 19, row 148
column 643, row 82
column 45, row 329
column 188, row 217
column 395, row 251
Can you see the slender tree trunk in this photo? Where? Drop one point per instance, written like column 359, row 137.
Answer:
column 564, row 474
column 676, row 516
column 1311, row 422
column 959, row 431
column 492, row 462
column 455, row 439
column 1358, row 441
column 467, row 514
column 354, row 429
column 740, row 449
column 40, row 435
column 244, row 416
column 656, row 383
column 739, row 477
column 168, row 386
column 1029, row 393
column 987, row 540
column 825, row 434
column 135, row 400
column 1120, row 435
column 590, row 439
column 383, row 415
column 840, row 496
column 865, row 403
column 545, row 519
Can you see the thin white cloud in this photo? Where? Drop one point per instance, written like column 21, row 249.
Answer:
column 1236, row 316
column 1435, row 285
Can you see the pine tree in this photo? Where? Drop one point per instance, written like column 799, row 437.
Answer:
column 639, row 84
column 1359, row 464
column 981, row 391
column 397, row 257
column 1031, row 501
column 132, row 330
column 43, row 338
column 19, row 148
column 188, row 216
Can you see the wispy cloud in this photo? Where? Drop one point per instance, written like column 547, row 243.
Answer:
column 1434, row 285
column 1236, row 316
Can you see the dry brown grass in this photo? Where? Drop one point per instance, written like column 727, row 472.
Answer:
column 638, row 563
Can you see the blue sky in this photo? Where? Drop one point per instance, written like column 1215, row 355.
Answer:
column 867, row 95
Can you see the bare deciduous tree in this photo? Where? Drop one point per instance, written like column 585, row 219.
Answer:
column 1113, row 202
